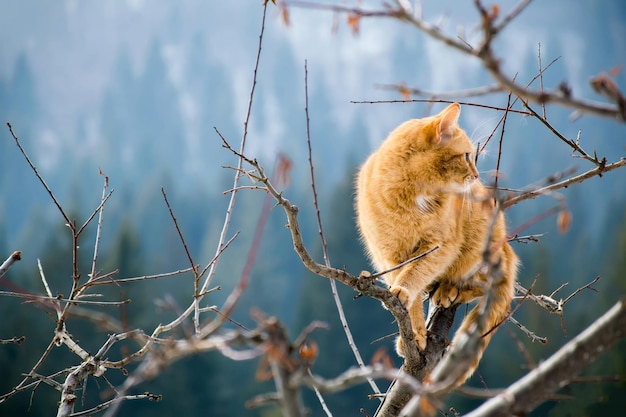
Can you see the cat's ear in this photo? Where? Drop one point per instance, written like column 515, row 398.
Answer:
column 448, row 123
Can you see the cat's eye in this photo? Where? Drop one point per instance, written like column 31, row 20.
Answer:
column 467, row 157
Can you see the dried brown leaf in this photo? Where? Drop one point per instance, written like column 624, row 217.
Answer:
column 308, row 352
column 564, row 220
column 382, row 357
column 353, row 21
column 405, row 92
column 615, row 70
column 284, row 14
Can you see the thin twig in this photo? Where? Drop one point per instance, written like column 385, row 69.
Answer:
column 597, row 171
column 15, row 339
column 231, row 203
column 527, row 239
column 584, row 287
column 79, row 231
column 54, row 303
column 573, row 144
column 8, row 263
column 511, row 15
column 405, row 263
column 521, row 348
column 504, row 118
column 96, row 246
column 107, row 404
column 180, row 233
column 532, row 80
column 320, row 398
column 23, row 384
column 543, row 105
column 463, row 103
column 252, row 254
column 355, row 376
column 483, row 52
column 472, row 92
column 333, row 284
column 142, row 278
column 217, row 255
column 39, row 177
column 69, row 301
column 533, row 337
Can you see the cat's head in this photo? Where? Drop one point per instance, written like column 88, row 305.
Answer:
column 435, row 151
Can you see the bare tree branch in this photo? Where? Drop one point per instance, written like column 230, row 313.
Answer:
column 333, row 284
column 288, row 363
column 416, row 363
column 365, row 283
column 463, row 103
column 491, row 26
column 533, row 337
column 598, row 171
column 555, row 372
column 6, row 265
column 450, row 95
column 38, row 175
column 231, row 203
column 16, row 340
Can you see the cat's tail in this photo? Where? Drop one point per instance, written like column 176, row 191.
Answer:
column 496, row 314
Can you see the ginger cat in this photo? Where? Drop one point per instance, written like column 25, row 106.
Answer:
column 419, row 190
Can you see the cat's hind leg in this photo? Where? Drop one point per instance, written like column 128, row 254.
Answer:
column 416, row 313
column 448, row 293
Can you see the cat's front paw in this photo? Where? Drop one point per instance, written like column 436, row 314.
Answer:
column 403, row 295
column 420, row 340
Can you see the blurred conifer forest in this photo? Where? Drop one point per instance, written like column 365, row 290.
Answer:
column 152, row 127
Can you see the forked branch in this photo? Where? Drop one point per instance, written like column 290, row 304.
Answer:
column 492, row 25
column 365, row 284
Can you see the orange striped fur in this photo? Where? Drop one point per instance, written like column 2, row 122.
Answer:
column 419, row 190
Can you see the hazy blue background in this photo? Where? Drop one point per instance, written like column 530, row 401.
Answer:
column 135, row 88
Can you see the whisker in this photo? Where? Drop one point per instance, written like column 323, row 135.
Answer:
column 479, row 132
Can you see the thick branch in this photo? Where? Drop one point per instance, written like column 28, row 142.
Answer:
column 288, row 395
column 440, row 321
column 560, row 368
column 492, row 64
column 73, row 381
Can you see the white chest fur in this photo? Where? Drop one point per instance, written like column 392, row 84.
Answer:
column 424, row 203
